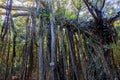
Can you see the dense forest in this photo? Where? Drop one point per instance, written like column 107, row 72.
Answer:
column 59, row 39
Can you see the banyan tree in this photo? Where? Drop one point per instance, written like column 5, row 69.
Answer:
column 59, row 40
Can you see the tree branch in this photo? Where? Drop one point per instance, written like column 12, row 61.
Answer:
column 16, row 14
column 20, row 14
column 103, row 4
column 90, row 9
column 17, row 7
column 114, row 18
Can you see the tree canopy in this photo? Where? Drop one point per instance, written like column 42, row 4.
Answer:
column 59, row 40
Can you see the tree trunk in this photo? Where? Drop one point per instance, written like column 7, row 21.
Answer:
column 72, row 54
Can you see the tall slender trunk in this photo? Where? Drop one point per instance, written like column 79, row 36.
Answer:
column 7, row 61
column 41, row 59
column 53, row 40
column 31, row 62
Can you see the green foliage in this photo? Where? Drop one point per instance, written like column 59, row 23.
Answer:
column 44, row 12
column 70, row 15
column 77, row 4
column 117, row 23
column 60, row 13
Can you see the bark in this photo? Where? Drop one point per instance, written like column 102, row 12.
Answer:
column 72, row 56
column 7, row 61
column 41, row 52
column 63, row 53
column 52, row 64
column 41, row 59
column 16, row 7
column 53, row 41
column 80, row 60
column 26, row 52
column 31, row 62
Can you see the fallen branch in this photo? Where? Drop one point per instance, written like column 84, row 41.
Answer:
column 16, row 14
column 20, row 14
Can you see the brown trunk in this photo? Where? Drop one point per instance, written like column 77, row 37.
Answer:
column 72, row 54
